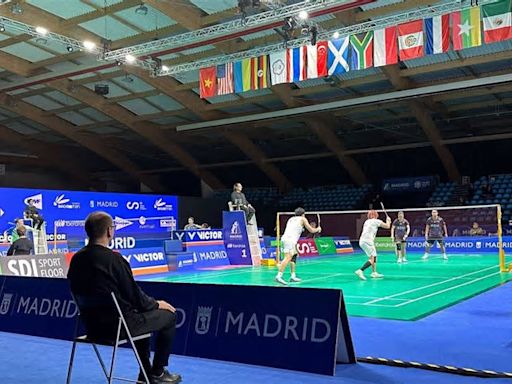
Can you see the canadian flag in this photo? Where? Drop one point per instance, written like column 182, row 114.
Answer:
column 410, row 40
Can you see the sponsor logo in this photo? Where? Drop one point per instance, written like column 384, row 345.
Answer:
column 62, row 202
column 205, row 235
column 5, row 305
column 121, row 223
column 212, row 255
column 36, row 199
column 161, row 205
column 203, row 320
column 145, row 257
column 168, row 223
column 104, row 204
column 135, row 206
column 38, row 306
column 122, row 243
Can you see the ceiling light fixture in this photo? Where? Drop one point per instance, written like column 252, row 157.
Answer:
column 164, row 68
column 2, row 28
column 336, row 35
column 130, row 59
column 89, row 45
column 70, row 48
column 42, row 31
column 303, row 15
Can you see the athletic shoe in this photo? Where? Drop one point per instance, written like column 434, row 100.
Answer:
column 376, row 275
column 445, row 257
column 399, row 261
column 424, row 257
column 360, row 274
column 280, row 280
column 295, row 280
column 404, row 260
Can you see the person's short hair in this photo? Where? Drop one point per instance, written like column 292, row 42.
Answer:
column 435, row 210
column 190, row 217
column 96, row 224
column 372, row 214
column 17, row 219
column 299, row 211
column 234, row 185
column 30, row 201
column 21, row 230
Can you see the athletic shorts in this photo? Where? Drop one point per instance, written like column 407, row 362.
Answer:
column 288, row 246
column 431, row 242
column 368, row 248
column 400, row 244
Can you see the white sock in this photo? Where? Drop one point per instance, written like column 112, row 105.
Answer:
column 426, row 254
column 294, row 275
column 279, row 275
column 444, row 254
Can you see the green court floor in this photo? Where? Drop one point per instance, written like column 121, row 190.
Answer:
column 407, row 291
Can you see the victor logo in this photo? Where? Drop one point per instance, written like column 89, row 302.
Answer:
column 6, row 303
column 203, row 319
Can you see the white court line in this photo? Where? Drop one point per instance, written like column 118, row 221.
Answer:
column 428, row 286
column 447, row 289
column 370, row 297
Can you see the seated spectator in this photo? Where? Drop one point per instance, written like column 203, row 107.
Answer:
column 22, row 245
column 96, row 271
column 476, row 230
column 191, row 224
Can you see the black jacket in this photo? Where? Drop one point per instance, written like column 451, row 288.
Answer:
column 22, row 246
column 96, row 271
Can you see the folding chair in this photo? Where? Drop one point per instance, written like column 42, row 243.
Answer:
column 86, row 304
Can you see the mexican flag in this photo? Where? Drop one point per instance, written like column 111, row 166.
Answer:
column 497, row 21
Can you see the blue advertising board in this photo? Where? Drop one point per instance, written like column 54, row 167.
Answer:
column 204, row 248
column 408, row 184
column 476, row 244
column 246, row 324
column 133, row 213
column 236, row 239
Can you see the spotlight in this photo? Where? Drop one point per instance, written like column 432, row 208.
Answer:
column 142, row 10
column 119, row 63
column 2, row 28
column 303, row 15
column 289, row 24
column 42, row 31
column 336, row 35
column 164, row 68
column 89, row 45
column 130, row 59
column 70, row 48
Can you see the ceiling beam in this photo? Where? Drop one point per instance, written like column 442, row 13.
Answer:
column 150, row 131
column 425, row 120
column 88, row 141
column 325, row 133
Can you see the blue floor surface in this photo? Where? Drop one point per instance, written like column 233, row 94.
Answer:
column 33, row 360
column 476, row 333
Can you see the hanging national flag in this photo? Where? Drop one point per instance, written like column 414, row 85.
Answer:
column 410, row 40
column 278, row 73
column 497, row 21
column 259, row 72
column 466, row 28
column 385, row 50
column 437, row 34
column 337, row 57
column 361, row 51
column 225, row 79
column 317, row 60
column 296, row 59
column 239, row 77
column 207, row 82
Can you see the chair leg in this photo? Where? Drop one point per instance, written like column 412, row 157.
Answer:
column 137, row 356
column 112, row 363
column 100, row 359
column 71, row 361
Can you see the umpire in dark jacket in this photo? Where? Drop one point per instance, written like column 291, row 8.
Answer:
column 96, row 270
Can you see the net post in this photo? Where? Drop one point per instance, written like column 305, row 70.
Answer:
column 501, row 251
column 278, row 237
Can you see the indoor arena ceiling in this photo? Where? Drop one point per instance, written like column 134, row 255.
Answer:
column 52, row 118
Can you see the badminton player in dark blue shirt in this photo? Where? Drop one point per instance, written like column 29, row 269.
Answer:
column 399, row 232
column 435, row 231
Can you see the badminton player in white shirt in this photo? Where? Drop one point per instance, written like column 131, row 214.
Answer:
column 294, row 227
column 367, row 242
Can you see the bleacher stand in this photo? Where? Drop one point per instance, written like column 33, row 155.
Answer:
column 500, row 192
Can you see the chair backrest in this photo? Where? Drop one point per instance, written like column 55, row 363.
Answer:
column 231, row 206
